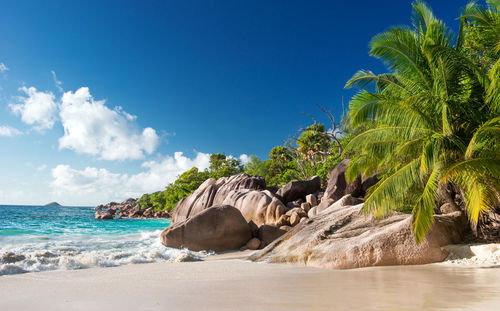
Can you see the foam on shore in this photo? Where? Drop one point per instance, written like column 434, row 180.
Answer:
column 473, row 255
column 80, row 252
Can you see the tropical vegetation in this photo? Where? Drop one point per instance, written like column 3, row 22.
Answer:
column 220, row 165
column 431, row 126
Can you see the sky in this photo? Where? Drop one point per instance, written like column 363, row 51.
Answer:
column 105, row 100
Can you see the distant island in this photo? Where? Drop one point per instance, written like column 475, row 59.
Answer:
column 53, row 204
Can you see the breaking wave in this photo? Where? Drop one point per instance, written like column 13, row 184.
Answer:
column 68, row 252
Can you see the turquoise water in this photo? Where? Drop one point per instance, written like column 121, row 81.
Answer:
column 61, row 220
column 52, row 238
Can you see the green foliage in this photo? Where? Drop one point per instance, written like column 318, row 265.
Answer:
column 257, row 167
column 315, row 152
column 433, row 119
column 189, row 181
column 223, row 166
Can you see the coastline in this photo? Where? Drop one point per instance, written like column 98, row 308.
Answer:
column 228, row 282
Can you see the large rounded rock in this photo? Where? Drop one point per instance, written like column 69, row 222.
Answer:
column 199, row 200
column 239, row 181
column 338, row 186
column 218, row 228
column 261, row 207
column 342, row 237
column 299, row 189
column 213, row 192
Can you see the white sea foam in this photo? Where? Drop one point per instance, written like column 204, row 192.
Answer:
column 473, row 255
column 79, row 252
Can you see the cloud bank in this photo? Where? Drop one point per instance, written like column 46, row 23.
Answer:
column 93, row 186
column 37, row 109
column 92, row 128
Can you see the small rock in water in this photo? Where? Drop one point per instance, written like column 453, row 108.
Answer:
column 10, row 257
column 103, row 215
column 45, row 254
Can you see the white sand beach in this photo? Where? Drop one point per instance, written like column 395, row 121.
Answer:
column 229, row 283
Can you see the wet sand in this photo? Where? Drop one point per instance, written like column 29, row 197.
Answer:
column 234, row 284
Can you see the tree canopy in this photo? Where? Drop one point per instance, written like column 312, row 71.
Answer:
column 433, row 121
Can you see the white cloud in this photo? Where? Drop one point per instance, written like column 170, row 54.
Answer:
column 3, row 68
column 244, row 158
column 92, row 128
column 92, row 186
column 42, row 167
column 37, row 108
column 9, row 131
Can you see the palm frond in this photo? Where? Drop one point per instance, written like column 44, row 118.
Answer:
column 423, row 212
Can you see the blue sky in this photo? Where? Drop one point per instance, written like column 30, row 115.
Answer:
column 191, row 78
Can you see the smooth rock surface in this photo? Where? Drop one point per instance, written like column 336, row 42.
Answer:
column 312, row 200
column 299, row 189
column 306, row 206
column 346, row 200
column 268, row 233
column 294, row 219
column 261, row 207
column 338, row 186
column 299, row 211
column 341, row 237
column 200, row 199
column 218, row 228
column 214, row 192
column 253, row 244
column 238, row 181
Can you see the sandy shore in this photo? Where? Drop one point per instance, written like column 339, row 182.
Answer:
column 229, row 283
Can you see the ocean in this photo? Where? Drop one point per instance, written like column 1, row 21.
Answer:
column 64, row 238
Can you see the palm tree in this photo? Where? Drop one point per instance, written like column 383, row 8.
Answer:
column 431, row 122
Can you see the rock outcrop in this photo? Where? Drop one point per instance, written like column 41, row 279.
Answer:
column 196, row 202
column 338, row 186
column 218, row 228
column 299, row 189
column 128, row 208
column 242, row 191
column 346, row 200
column 104, row 215
column 261, row 207
column 342, row 237
column 236, row 182
column 269, row 233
